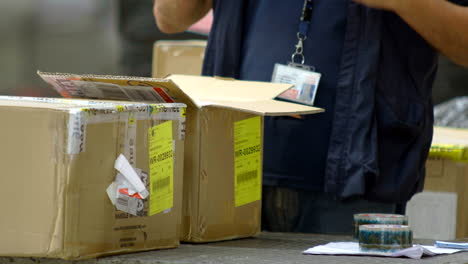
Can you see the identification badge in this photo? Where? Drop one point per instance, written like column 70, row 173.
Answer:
column 304, row 78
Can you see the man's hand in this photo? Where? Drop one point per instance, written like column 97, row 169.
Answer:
column 443, row 24
column 174, row 16
column 382, row 4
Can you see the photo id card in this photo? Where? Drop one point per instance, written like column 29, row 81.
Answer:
column 305, row 82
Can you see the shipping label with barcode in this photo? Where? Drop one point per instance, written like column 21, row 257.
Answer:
column 161, row 161
column 247, row 161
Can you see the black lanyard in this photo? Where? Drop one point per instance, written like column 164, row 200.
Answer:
column 303, row 30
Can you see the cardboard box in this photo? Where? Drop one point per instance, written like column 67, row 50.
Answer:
column 178, row 57
column 223, row 145
column 57, row 160
column 441, row 211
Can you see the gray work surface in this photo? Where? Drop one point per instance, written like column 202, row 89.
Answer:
column 266, row 248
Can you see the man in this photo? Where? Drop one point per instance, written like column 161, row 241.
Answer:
column 377, row 73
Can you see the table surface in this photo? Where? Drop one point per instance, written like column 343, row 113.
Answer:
column 269, row 248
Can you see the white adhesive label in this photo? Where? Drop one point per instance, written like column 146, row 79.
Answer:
column 130, row 139
column 124, row 197
column 76, row 133
column 182, row 129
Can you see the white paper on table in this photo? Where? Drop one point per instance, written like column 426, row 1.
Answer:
column 352, row 248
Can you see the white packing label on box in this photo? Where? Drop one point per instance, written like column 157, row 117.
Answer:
column 130, row 138
column 128, row 192
column 76, row 132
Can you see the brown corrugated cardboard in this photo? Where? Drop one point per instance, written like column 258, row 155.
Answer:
column 217, row 109
column 178, row 57
column 450, row 174
column 57, row 160
column 446, row 173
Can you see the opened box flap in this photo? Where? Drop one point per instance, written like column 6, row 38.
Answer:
column 254, row 97
column 448, row 135
column 218, row 89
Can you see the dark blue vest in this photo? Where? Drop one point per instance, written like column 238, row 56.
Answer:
column 295, row 150
column 383, row 115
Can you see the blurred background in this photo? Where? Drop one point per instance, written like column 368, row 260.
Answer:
column 75, row 36
column 105, row 37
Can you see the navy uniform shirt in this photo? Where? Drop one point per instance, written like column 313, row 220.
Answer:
column 295, row 150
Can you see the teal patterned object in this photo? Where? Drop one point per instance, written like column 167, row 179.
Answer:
column 377, row 219
column 385, row 238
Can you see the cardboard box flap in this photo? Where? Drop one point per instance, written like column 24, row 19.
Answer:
column 267, row 107
column 450, row 143
column 116, row 88
column 248, row 96
column 254, row 97
column 201, row 88
column 447, row 135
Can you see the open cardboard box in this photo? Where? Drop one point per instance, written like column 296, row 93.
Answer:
column 57, row 159
column 178, row 57
column 441, row 211
column 223, row 144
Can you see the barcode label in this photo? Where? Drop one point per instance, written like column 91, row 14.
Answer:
column 161, row 184
column 161, row 163
column 247, row 160
column 247, row 176
column 122, row 201
column 76, row 133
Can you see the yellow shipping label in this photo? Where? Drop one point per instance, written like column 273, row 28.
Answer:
column 247, row 161
column 449, row 151
column 161, row 168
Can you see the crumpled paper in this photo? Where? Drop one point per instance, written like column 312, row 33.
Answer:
column 352, row 248
column 128, row 192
